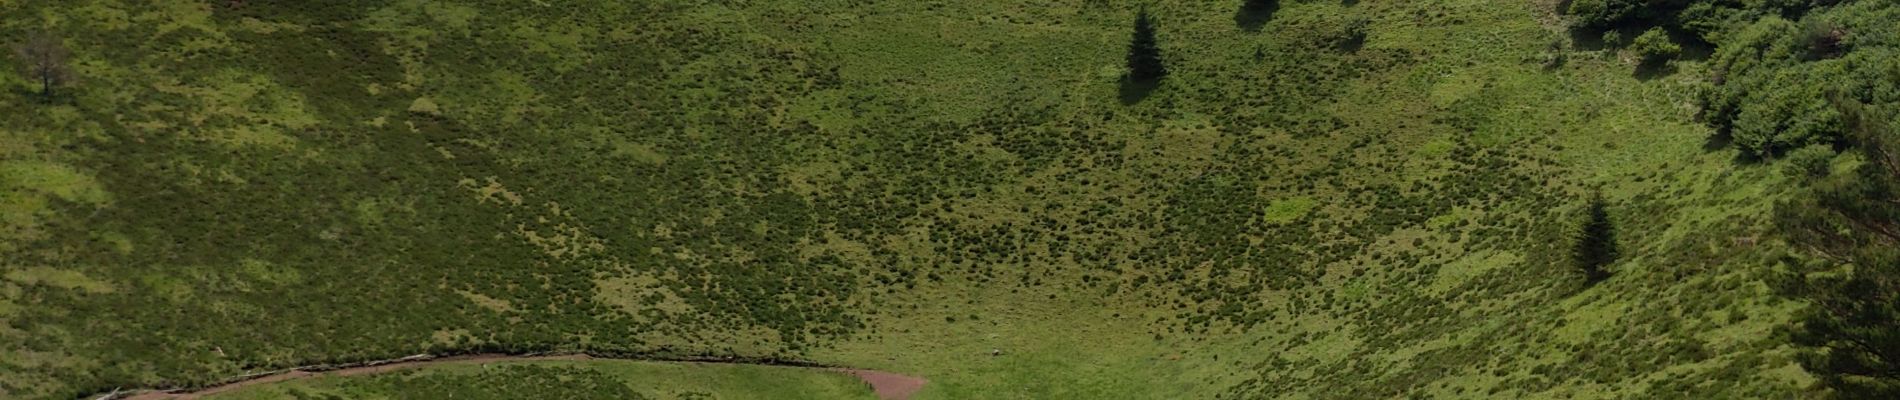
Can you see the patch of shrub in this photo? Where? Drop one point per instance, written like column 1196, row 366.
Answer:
column 1779, row 84
column 1655, row 48
column 1812, row 161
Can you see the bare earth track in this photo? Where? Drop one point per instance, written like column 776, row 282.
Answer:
column 888, row 386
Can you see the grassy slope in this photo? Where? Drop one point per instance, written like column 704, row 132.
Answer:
column 573, row 380
column 892, row 185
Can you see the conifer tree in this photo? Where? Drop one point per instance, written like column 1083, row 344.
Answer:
column 1144, row 57
column 1596, row 242
column 1849, row 227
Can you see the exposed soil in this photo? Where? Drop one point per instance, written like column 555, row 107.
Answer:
column 888, row 386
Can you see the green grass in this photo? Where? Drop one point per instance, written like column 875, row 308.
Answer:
column 892, row 185
column 571, row 380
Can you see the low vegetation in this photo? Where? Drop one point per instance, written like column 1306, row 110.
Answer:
column 1331, row 200
column 604, row 380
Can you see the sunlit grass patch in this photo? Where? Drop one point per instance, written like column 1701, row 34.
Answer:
column 57, row 278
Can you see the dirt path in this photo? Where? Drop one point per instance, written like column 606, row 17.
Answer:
column 888, row 386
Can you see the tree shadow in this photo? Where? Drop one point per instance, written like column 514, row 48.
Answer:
column 1591, row 39
column 1134, row 91
column 1348, row 3
column 1746, row 157
column 1723, row 139
column 1352, row 43
column 1254, row 15
column 1647, row 71
column 32, row 96
column 1587, row 39
column 1718, row 140
column 1693, row 47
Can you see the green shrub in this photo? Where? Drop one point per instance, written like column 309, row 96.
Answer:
column 1779, row 84
column 1812, row 161
column 1602, row 14
column 1655, row 48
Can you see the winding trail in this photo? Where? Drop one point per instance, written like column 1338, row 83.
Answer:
column 888, row 386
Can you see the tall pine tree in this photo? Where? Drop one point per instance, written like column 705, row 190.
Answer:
column 1144, row 58
column 1596, row 242
column 1849, row 225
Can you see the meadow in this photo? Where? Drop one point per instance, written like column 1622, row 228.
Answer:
column 1333, row 200
column 570, row 380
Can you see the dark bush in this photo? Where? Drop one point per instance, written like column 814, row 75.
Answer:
column 1655, row 48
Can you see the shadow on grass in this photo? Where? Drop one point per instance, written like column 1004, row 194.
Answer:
column 1693, row 47
column 1251, row 16
column 1648, row 71
column 1587, row 39
column 1351, row 44
column 1592, row 38
column 1722, row 139
column 1134, row 91
column 1718, row 140
column 31, row 96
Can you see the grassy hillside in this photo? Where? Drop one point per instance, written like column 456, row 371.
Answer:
column 1338, row 200
column 571, row 380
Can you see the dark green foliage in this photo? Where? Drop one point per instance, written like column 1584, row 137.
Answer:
column 1605, row 13
column 1778, row 82
column 1703, row 18
column 1595, row 246
column 1352, row 35
column 1810, row 162
column 1850, row 225
column 1144, row 55
column 1655, row 48
column 1254, row 14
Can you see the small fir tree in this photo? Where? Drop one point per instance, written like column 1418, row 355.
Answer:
column 1596, row 242
column 1144, row 57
